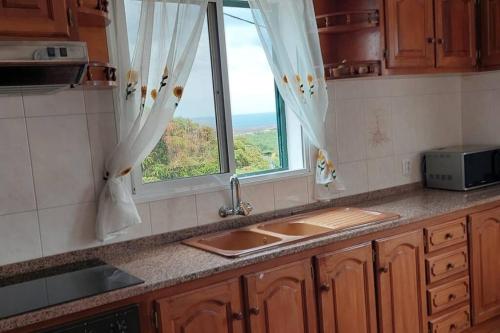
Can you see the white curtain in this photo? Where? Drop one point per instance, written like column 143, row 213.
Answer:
column 151, row 86
column 289, row 35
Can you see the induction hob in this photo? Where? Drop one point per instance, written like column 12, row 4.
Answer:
column 64, row 286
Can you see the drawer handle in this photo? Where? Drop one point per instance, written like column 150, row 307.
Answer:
column 452, row 297
column 324, row 287
column 238, row 316
column 254, row 311
column 450, row 266
column 384, row 269
column 448, row 236
column 453, row 327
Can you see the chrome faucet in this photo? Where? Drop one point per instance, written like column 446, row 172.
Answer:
column 239, row 207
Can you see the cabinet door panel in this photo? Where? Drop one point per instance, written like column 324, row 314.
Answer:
column 281, row 300
column 490, row 33
column 485, row 264
column 347, row 291
column 34, row 18
column 455, row 33
column 215, row 308
column 409, row 33
column 401, row 284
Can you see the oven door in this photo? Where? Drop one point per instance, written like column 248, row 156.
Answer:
column 481, row 168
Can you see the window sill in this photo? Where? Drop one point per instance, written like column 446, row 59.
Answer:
column 146, row 195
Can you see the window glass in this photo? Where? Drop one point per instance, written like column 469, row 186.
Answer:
column 189, row 146
column 254, row 102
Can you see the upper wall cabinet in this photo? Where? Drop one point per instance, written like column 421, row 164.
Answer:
column 427, row 34
column 490, row 32
column 38, row 19
column 409, row 33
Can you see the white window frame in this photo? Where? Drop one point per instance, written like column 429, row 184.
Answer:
column 210, row 183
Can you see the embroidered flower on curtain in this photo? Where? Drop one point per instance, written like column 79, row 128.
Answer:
column 325, row 166
column 132, row 80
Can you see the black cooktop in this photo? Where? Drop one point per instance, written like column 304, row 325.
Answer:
column 60, row 285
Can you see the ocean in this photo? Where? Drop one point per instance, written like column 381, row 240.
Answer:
column 243, row 123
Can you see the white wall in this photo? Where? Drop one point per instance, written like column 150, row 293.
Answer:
column 481, row 108
column 52, row 150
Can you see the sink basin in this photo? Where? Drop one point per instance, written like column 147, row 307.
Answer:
column 295, row 229
column 235, row 243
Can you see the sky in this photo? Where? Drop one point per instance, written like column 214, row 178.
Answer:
column 251, row 83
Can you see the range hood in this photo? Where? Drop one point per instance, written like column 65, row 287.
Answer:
column 36, row 67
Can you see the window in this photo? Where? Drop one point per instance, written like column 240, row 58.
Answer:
column 231, row 118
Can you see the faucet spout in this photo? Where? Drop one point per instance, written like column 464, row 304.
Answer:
column 239, row 207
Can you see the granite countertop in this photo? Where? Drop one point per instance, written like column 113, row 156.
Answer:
column 162, row 266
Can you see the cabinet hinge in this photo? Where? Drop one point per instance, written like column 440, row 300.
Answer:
column 478, row 55
column 70, row 17
column 155, row 319
column 312, row 271
column 385, row 55
column 374, row 255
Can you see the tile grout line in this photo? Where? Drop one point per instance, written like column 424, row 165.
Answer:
column 33, row 178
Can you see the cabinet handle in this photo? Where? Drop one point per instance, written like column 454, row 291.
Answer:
column 238, row 316
column 448, row 236
column 440, row 41
column 431, row 40
column 254, row 311
column 453, row 327
column 384, row 269
column 450, row 266
column 324, row 287
column 452, row 297
column 70, row 18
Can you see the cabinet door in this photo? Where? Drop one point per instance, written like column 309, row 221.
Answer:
column 36, row 19
column 347, row 291
column 401, row 284
column 490, row 33
column 281, row 300
column 485, row 264
column 455, row 33
column 212, row 309
column 409, row 33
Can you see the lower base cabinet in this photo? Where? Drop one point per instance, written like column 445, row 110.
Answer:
column 282, row 299
column 401, row 284
column 346, row 291
column 213, row 309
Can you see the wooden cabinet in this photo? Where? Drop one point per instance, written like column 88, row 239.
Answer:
column 281, row 300
column 346, row 291
column 37, row 19
column 409, row 33
column 485, row 264
column 455, row 33
column 427, row 34
column 490, row 32
column 401, row 284
column 215, row 308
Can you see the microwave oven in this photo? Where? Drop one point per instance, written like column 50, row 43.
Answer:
column 462, row 168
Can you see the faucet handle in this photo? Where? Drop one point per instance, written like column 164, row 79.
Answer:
column 245, row 208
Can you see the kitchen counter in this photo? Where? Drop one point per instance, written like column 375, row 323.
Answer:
column 166, row 265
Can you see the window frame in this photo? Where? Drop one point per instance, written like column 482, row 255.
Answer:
column 143, row 192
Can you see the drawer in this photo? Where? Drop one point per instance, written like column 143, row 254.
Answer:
column 450, row 294
column 446, row 234
column 455, row 322
column 444, row 265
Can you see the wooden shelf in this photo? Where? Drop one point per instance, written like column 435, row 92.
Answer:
column 93, row 13
column 100, row 75
column 353, row 69
column 342, row 22
column 92, row 17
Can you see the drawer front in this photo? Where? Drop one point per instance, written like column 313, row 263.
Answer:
column 455, row 322
column 442, row 266
column 447, row 234
column 445, row 296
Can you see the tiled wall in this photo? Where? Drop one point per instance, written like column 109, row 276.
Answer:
column 481, row 108
column 52, row 149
